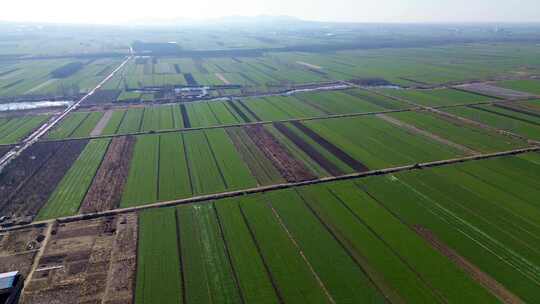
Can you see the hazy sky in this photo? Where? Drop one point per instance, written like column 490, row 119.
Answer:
column 121, row 11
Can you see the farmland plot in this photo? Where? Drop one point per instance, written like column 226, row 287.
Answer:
column 206, row 266
column 343, row 278
column 522, row 124
column 114, row 123
column 437, row 97
column 340, row 102
column 174, row 179
column 32, row 193
column 472, row 214
column 530, row 86
column 254, row 281
column 299, row 154
column 68, row 125
column 201, row 115
column 142, row 181
column 234, row 170
column 158, row 267
column 473, row 137
column 132, row 121
column 378, row 144
column 14, row 129
column 69, row 194
column 430, row 266
column 206, row 176
column 76, row 125
column 106, row 190
column 261, row 167
column 295, row 280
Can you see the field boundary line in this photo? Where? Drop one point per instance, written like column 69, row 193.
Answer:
column 301, row 252
column 262, row 122
column 358, row 259
column 415, row 107
column 228, row 253
column 435, row 137
column 222, row 195
column 259, row 252
column 422, row 278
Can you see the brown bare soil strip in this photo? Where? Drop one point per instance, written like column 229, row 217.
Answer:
column 342, row 155
column 260, row 167
column 289, row 167
column 430, row 135
column 121, row 276
column 309, row 65
column 491, row 90
column 222, row 78
column 98, row 129
column 476, row 273
column 76, row 263
column 29, row 199
column 309, row 150
column 106, row 189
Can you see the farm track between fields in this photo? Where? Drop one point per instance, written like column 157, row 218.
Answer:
column 223, row 195
column 415, row 107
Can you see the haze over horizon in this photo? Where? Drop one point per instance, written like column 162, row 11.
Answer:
column 392, row 11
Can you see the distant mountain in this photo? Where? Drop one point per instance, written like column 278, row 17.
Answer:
column 262, row 20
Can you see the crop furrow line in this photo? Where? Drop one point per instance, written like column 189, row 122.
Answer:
column 506, row 255
column 259, row 251
column 301, row 252
column 437, row 293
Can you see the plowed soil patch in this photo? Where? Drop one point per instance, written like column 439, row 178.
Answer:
column 106, row 190
column 22, row 168
column 33, row 194
column 288, row 166
column 342, row 155
column 309, row 150
column 476, row 273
